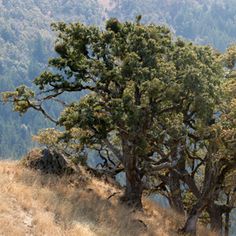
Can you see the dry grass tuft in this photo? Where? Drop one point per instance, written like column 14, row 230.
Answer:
column 35, row 204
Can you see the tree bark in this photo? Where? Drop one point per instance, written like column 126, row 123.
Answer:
column 176, row 200
column 216, row 220
column 133, row 192
column 227, row 223
column 190, row 226
column 227, row 217
column 134, row 187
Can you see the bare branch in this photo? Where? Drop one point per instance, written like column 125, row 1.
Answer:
column 64, row 104
column 197, row 167
column 165, row 165
column 40, row 109
column 112, row 195
column 51, row 96
column 186, row 178
column 115, row 150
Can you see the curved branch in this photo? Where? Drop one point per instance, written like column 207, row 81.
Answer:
column 115, row 150
column 40, row 109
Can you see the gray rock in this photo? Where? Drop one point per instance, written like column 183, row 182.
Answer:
column 47, row 161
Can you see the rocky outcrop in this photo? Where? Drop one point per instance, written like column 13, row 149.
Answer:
column 47, row 161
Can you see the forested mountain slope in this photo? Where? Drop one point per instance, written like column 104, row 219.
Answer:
column 203, row 21
column 27, row 42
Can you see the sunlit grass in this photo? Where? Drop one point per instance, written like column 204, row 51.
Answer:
column 33, row 204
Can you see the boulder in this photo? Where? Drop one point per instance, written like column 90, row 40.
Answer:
column 47, row 161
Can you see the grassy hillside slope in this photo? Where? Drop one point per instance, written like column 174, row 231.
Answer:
column 32, row 204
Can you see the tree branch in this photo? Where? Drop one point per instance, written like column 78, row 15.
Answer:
column 115, row 150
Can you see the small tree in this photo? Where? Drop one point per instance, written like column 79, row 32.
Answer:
column 143, row 87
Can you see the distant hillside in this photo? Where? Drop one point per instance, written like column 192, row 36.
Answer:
column 26, row 44
column 203, row 21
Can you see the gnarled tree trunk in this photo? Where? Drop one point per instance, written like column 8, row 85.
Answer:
column 216, row 220
column 134, row 186
column 227, row 223
column 176, row 200
column 190, row 226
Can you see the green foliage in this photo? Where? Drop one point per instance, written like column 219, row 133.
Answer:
column 143, row 85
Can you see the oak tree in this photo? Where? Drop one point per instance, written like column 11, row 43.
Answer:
column 145, row 92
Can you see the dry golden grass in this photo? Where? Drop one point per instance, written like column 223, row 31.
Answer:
column 32, row 204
